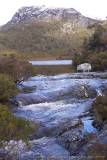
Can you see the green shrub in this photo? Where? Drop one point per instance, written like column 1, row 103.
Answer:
column 7, row 87
column 95, row 39
column 99, row 61
column 100, row 109
column 17, row 68
column 92, row 26
column 77, row 59
column 12, row 127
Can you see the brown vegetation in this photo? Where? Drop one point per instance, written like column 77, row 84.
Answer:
column 97, row 151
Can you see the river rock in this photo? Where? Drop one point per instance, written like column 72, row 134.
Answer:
column 44, row 148
column 64, row 125
column 80, row 91
column 84, row 67
column 31, row 98
column 73, row 140
column 26, row 89
column 12, row 149
column 57, row 128
column 104, row 89
column 83, row 91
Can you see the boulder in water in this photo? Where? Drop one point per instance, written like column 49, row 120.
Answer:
column 83, row 91
column 80, row 91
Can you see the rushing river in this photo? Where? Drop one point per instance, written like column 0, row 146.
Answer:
column 51, row 100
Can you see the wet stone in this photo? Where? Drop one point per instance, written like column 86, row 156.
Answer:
column 45, row 148
column 73, row 140
column 61, row 127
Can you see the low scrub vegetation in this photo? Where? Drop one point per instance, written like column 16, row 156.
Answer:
column 12, row 72
column 17, row 68
column 97, row 151
column 99, row 61
column 100, row 109
column 12, row 127
column 7, row 88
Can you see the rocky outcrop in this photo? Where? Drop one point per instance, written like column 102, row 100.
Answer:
column 57, row 129
column 83, row 91
column 80, row 91
column 84, row 67
column 42, row 12
column 12, row 149
column 44, row 148
column 31, row 98
column 73, row 140
column 26, row 89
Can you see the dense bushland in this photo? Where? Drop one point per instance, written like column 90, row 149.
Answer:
column 17, row 68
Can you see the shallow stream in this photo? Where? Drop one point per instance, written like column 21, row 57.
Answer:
column 52, row 99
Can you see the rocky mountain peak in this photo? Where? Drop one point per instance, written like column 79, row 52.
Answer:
column 42, row 12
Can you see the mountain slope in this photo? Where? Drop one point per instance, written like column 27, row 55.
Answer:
column 41, row 12
column 44, row 31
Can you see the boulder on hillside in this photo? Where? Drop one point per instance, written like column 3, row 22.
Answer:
column 84, row 67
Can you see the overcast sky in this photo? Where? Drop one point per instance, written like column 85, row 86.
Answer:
column 92, row 8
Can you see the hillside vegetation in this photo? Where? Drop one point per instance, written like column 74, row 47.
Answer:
column 48, row 38
column 12, row 72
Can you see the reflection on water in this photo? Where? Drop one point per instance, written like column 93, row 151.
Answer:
column 53, row 69
column 88, row 125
